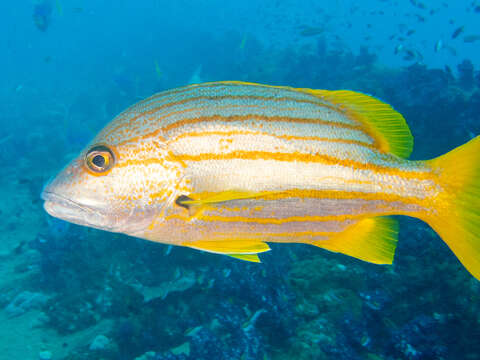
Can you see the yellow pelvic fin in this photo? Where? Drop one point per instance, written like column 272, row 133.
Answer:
column 457, row 212
column 246, row 257
column 372, row 239
column 229, row 247
column 382, row 122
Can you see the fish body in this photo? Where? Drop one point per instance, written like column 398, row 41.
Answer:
column 311, row 31
column 457, row 32
column 226, row 167
column 471, row 38
column 42, row 14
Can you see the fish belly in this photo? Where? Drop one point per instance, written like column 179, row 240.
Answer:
column 298, row 202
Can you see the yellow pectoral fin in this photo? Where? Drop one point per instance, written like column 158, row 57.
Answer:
column 197, row 203
column 230, row 247
column 372, row 239
column 223, row 196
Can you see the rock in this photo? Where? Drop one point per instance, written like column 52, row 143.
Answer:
column 307, row 309
column 149, row 355
column 24, row 302
column 181, row 349
column 101, row 342
column 45, row 355
column 182, row 281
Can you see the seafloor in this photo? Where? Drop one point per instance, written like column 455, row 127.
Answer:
column 69, row 292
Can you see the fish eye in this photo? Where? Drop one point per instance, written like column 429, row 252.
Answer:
column 99, row 159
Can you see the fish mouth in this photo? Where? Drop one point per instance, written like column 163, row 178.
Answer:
column 66, row 209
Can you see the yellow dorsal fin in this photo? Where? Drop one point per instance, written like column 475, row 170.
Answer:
column 382, row 122
column 229, row 247
column 246, row 257
column 372, row 239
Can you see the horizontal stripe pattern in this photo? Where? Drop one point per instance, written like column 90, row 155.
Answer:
column 214, row 91
column 326, row 200
column 211, row 144
column 265, row 175
column 283, row 135
column 200, row 230
column 295, row 156
column 223, row 100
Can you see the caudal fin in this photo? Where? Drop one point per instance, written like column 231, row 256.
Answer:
column 457, row 220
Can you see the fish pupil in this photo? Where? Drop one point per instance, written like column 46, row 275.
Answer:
column 99, row 160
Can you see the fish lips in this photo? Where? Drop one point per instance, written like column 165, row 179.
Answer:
column 66, row 209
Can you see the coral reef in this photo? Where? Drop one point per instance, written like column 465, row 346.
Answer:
column 302, row 302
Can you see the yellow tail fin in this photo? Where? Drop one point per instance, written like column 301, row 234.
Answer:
column 457, row 220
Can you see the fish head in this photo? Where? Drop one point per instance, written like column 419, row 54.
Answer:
column 113, row 185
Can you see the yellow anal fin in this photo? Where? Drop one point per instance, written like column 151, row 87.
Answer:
column 372, row 239
column 230, row 247
column 246, row 257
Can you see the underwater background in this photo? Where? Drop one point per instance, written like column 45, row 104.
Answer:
column 70, row 292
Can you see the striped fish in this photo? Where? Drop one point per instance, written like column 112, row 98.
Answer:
column 227, row 167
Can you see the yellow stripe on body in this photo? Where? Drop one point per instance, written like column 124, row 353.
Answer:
column 277, row 222
column 306, row 218
column 259, row 118
column 368, row 179
column 322, row 194
column 302, row 229
column 233, row 133
column 223, row 142
column 375, row 175
column 228, row 90
column 302, row 157
column 156, row 99
column 160, row 133
column 147, row 118
column 293, row 235
column 267, row 209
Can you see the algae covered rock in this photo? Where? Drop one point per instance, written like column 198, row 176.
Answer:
column 25, row 301
column 45, row 355
column 149, row 355
column 100, row 343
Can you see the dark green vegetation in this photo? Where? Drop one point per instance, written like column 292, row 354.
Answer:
column 302, row 302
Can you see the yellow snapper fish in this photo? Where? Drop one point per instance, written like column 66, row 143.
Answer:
column 227, row 167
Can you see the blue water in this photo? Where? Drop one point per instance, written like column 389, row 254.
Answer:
column 68, row 292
